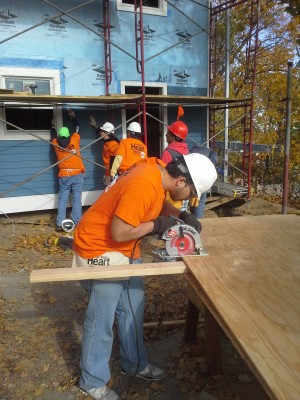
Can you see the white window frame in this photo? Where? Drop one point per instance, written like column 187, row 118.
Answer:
column 161, row 10
column 29, row 73
column 164, row 114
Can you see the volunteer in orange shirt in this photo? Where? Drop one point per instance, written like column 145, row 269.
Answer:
column 110, row 145
column 108, row 234
column 130, row 150
column 70, row 171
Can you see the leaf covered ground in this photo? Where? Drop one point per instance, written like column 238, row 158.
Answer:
column 41, row 326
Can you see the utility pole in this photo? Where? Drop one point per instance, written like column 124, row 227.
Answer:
column 287, row 139
column 226, row 111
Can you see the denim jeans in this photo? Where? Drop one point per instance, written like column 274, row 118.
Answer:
column 198, row 211
column 107, row 300
column 69, row 185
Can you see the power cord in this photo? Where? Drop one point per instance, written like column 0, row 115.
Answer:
column 135, row 325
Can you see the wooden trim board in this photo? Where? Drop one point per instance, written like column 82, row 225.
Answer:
column 107, row 272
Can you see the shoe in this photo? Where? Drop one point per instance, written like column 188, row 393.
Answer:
column 58, row 228
column 150, row 373
column 101, row 393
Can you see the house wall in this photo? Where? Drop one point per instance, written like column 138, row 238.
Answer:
column 76, row 52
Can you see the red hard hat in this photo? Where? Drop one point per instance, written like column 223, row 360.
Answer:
column 179, row 129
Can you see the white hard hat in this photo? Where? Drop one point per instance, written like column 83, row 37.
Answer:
column 107, row 127
column 134, row 127
column 202, row 172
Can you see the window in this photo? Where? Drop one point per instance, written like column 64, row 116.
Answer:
column 154, row 7
column 32, row 117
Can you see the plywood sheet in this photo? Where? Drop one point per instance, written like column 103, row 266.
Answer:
column 250, row 282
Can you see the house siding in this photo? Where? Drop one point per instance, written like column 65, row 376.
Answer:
column 76, row 51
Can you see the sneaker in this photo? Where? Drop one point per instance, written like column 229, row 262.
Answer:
column 58, row 228
column 101, row 393
column 150, row 373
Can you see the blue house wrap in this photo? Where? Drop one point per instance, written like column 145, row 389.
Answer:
column 63, row 54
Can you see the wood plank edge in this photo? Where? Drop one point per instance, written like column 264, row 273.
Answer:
column 107, row 272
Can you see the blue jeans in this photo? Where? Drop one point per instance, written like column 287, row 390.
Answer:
column 69, row 185
column 107, row 299
column 198, row 211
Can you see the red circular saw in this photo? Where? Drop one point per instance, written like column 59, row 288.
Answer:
column 181, row 240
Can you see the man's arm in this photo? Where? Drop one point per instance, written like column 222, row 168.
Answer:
column 121, row 231
column 53, row 132
column 116, row 164
column 72, row 117
column 168, row 209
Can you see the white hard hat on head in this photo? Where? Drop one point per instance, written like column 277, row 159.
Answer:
column 202, row 172
column 107, row 127
column 134, row 127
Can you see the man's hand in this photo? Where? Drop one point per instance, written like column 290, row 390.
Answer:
column 70, row 113
column 92, row 121
column 161, row 224
column 189, row 219
column 107, row 180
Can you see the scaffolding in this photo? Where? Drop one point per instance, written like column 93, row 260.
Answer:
column 141, row 101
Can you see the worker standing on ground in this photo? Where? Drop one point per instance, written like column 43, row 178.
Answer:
column 197, row 206
column 70, row 171
column 176, row 135
column 110, row 145
column 130, row 150
column 108, row 234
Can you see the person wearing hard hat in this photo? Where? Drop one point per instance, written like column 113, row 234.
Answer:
column 70, row 171
column 130, row 150
column 197, row 207
column 133, row 206
column 176, row 135
column 110, row 145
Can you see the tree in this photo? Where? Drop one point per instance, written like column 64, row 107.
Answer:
column 292, row 7
column 278, row 43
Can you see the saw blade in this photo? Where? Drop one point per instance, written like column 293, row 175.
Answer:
column 180, row 246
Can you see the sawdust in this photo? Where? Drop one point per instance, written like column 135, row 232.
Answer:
column 41, row 324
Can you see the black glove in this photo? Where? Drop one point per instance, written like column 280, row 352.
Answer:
column 161, row 224
column 189, row 219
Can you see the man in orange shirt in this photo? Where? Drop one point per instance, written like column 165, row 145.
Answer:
column 110, row 145
column 108, row 234
column 70, row 171
column 130, row 150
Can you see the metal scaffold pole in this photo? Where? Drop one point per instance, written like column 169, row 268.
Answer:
column 140, row 62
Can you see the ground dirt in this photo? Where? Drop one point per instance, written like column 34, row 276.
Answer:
column 41, row 324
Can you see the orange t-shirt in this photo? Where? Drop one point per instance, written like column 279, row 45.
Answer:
column 73, row 165
column 132, row 150
column 137, row 196
column 109, row 151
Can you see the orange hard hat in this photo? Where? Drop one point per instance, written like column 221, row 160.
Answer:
column 179, row 129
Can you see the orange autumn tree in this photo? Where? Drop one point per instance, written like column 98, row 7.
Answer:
column 279, row 34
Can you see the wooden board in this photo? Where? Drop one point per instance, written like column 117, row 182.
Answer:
column 117, row 99
column 107, row 272
column 250, row 283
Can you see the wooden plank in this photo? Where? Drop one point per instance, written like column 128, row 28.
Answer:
column 250, row 283
column 212, row 203
column 116, row 99
column 107, row 272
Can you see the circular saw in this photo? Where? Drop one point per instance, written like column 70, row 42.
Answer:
column 180, row 240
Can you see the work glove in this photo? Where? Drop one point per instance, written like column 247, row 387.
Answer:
column 161, row 224
column 189, row 219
